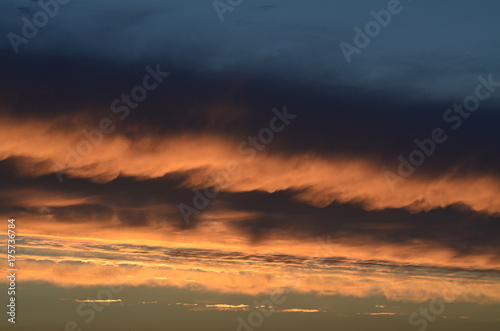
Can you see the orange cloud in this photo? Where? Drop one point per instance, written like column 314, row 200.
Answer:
column 320, row 180
column 237, row 268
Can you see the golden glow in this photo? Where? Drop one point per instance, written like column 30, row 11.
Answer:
column 319, row 179
column 240, row 268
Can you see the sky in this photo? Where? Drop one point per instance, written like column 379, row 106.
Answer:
column 233, row 165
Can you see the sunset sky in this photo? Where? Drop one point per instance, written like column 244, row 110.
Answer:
column 233, row 165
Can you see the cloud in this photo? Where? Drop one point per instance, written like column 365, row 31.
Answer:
column 138, row 178
column 77, row 262
column 324, row 174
